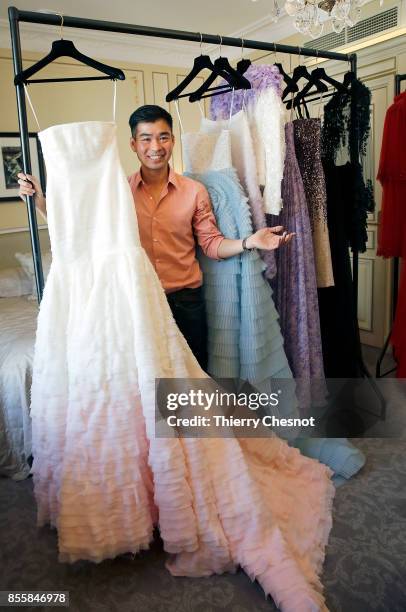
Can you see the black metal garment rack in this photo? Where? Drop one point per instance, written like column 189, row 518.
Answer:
column 395, row 274
column 16, row 16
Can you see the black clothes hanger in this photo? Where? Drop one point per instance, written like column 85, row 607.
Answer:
column 300, row 72
column 242, row 67
column 315, row 80
column 317, row 77
column 230, row 74
column 234, row 78
column 66, row 48
column 287, row 78
column 321, row 75
column 200, row 63
column 349, row 77
column 244, row 63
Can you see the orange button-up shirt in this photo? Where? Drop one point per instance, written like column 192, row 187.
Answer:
column 170, row 228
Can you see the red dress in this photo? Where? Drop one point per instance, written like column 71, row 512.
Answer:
column 398, row 338
column 392, row 230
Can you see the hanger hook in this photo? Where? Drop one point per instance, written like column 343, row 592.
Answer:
column 274, row 50
column 61, row 26
column 317, row 56
column 300, row 50
column 242, row 47
column 221, row 43
column 201, row 43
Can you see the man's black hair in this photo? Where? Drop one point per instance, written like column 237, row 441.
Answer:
column 149, row 113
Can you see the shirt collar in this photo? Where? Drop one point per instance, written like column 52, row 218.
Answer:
column 172, row 178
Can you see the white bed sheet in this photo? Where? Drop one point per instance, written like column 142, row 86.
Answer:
column 18, row 320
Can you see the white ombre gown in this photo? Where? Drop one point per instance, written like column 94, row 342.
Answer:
column 102, row 478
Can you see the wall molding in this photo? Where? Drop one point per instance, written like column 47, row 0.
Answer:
column 366, row 297
column 18, row 230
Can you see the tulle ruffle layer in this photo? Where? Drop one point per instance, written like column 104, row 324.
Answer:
column 244, row 339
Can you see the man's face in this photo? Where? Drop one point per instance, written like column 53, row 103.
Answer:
column 153, row 143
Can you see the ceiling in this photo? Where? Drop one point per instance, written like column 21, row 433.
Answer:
column 246, row 18
column 224, row 16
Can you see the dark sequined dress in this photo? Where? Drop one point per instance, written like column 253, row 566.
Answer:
column 308, row 153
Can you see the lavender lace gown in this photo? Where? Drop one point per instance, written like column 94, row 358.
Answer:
column 295, row 286
column 295, row 294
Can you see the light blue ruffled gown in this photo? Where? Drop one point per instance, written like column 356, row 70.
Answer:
column 244, row 339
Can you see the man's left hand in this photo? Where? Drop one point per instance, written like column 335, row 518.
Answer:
column 269, row 238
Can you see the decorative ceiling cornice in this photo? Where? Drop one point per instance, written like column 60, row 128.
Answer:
column 267, row 30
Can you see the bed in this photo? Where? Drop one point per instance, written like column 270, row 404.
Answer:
column 17, row 324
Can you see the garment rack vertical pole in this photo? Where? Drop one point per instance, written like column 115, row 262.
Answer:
column 16, row 16
column 25, row 149
column 395, row 273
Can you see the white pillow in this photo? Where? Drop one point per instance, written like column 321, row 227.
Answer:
column 14, row 282
column 27, row 264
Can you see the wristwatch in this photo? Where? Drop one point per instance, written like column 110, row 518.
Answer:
column 244, row 245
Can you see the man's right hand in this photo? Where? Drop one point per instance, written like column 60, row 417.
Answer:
column 30, row 186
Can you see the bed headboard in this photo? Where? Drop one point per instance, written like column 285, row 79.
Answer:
column 17, row 240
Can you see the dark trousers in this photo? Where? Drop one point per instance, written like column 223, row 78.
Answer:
column 189, row 311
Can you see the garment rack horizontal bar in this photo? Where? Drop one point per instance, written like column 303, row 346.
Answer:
column 125, row 28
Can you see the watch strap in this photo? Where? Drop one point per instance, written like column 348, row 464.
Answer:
column 244, row 244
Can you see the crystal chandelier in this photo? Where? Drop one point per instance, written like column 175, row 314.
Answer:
column 309, row 16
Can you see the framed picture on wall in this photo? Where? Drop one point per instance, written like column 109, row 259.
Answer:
column 11, row 163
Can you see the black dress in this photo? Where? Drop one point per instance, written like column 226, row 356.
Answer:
column 349, row 199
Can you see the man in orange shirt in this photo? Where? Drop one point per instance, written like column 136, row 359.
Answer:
column 173, row 213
